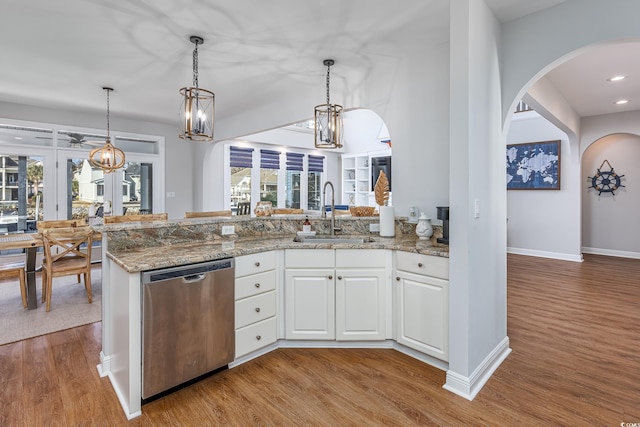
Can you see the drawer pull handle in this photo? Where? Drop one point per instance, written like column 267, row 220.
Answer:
column 258, row 337
column 398, row 278
column 330, row 277
column 257, row 263
column 419, row 264
column 257, row 285
column 257, row 309
column 339, row 277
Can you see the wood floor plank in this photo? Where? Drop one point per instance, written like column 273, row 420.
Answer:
column 574, row 330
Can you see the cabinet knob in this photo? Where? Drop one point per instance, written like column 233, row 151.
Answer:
column 258, row 337
column 419, row 264
column 257, row 263
column 257, row 309
column 398, row 278
column 257, row 285
column 339, row 277
column 330, row 277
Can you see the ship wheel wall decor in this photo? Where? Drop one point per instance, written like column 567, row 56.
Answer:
column 605, row 181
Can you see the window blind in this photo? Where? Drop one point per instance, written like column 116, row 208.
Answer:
column 241, row 157
column 316, row 163
column 269, row 159
column 294, row 161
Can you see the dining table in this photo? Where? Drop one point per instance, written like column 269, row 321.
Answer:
column 30, row 242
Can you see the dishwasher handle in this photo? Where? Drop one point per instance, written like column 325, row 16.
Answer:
column 194, row 278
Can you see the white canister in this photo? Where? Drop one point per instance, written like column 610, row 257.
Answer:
column 424, row 229
column 387, row 221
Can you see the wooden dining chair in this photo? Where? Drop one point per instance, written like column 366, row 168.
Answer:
column 244, row 208
column 206, row 214
column 16, row 270
column 286, row 211
column 118, row 219
column 69, row 260
column 61, row 223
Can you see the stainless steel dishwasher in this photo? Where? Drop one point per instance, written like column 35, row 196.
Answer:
column 188, row 323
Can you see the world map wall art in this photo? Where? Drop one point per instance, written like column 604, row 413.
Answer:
column 533, row 166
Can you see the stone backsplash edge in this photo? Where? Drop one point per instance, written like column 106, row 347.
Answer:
column 144, row 235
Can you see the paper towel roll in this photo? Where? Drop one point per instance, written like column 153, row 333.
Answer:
column 387, row 221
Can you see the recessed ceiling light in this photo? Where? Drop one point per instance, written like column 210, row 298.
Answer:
column 616, row 78
column 17, row 137
column 622, row 101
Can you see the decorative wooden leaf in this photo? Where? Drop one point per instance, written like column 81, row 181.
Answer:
column 381, row 190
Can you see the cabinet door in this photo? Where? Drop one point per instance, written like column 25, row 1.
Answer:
column 310, row 304
column 360, row 304
column 423, row 314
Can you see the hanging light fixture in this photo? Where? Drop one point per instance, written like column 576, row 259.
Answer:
column 198, row 105
column 328, row 119
column 108, row 157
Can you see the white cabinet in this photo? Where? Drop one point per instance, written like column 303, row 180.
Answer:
column 335, row 294
column 360, row 304
column 422, row 303
column 310, row 308
column 309, row 294
column 255, row 302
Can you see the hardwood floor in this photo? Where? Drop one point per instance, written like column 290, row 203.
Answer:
column 574, row 330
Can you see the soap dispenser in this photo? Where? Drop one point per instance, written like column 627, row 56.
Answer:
column 306, row 225
column 424, row 229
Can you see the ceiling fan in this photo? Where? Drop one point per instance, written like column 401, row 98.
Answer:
column 77, row 140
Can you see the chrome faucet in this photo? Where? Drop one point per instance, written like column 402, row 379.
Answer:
column 333, row 206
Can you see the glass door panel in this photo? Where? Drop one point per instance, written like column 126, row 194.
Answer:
column 21, row 192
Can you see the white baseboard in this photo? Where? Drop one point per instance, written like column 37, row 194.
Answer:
column 611, row 252
column 123, row 401
column 546, row 254
column 105, row 365
column 469, row 387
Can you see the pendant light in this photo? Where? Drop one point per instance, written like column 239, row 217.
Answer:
column 197, row 110
column 328, row 119
column 108, row 157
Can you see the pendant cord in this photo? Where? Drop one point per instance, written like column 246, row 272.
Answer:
column 195, row 66
column 328, row 71
column 108, row 124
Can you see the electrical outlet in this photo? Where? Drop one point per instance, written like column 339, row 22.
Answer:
column 228, row 229
column 374, row 228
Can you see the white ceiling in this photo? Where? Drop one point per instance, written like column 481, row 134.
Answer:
column 61, row 53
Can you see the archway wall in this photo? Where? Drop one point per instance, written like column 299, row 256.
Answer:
column 609, row 221
column 536, row 43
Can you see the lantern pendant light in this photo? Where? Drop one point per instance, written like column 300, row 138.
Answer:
column 198, row 105
column 108, row 157
column 328, row 119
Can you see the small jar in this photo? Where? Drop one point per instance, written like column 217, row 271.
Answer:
column 424, row 229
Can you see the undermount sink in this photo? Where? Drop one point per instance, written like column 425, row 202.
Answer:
column 333, row 239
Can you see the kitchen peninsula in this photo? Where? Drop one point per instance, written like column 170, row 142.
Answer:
column 377, row 292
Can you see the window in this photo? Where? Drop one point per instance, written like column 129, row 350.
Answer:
column 314, row 181
column 269, row 167
column 295, row 185
column 241, row 162
column 293, row 180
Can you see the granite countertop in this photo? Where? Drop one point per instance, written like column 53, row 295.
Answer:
column 155, row 257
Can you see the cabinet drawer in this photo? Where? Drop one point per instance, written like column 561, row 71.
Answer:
column 255, row 263
column 255, row 284
column 255, row 336
column 423, row 264
column 309, row 258
column 360, row 258
column 254, row 309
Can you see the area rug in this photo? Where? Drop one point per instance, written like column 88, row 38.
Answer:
column 69, row 308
